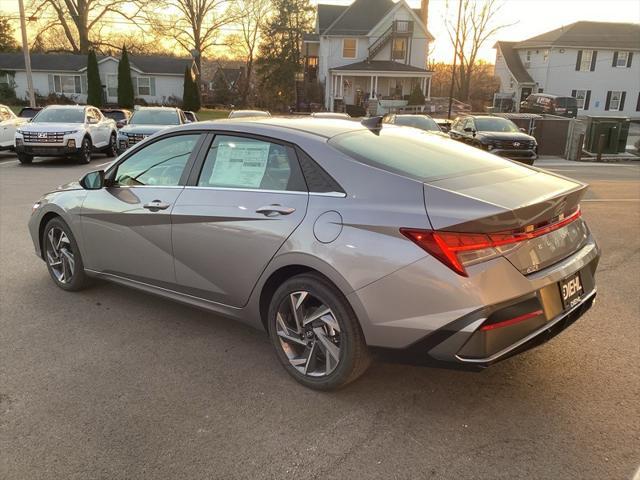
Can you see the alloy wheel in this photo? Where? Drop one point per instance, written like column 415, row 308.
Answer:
column 60, row 256
column 309, row 334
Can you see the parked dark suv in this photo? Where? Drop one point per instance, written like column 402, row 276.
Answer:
column 551, row 104
column 496, row 135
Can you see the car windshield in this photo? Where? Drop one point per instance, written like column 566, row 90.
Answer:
column 155, row 117
column 116, row 115
column 59, row 115
column 417, row 121
column 495, row 125
column 419, row 155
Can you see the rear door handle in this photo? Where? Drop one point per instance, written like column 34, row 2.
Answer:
column 274, row 210
column 156, row 205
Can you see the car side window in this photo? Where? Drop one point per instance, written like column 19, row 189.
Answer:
column 248, row 163
column 91, row 116
column 160, row 163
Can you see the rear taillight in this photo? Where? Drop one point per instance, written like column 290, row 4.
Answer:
column 457, row 249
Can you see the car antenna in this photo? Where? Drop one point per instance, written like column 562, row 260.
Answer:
column 373, row 123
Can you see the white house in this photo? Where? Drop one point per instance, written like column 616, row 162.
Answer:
column 596, row 62
column 156, row 79
column 369, row 49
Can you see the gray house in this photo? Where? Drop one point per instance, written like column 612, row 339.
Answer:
column 596, row 62
column 156, row 79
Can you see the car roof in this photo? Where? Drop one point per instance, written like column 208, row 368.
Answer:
column 320, row 127
column 156, row 108
column 61, row 107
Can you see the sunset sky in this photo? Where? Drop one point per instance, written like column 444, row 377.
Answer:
column 529, row 18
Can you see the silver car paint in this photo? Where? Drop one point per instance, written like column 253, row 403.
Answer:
column 399, row 293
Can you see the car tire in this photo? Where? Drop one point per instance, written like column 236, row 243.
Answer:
column 84, row 154
column 25, row 159
column 62, row 256
column 329, row 351
column 112, row 149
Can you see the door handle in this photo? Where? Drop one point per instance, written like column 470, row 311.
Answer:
column 156, row 205
column 275, row 210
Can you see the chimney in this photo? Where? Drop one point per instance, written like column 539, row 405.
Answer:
column 424, row 11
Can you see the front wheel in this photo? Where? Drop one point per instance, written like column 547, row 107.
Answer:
column 62, row 256
column 112, row 149
column 25, row 159
column 84, row 155
column 315, row 333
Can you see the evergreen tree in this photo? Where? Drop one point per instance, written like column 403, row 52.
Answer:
column 221, row 91
column 416, row 97
column 281, row 56
column 94, row 85
column 188, row 100
column 125, row 85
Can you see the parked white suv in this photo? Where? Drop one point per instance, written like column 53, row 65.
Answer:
column 66, row 131
column 9, row 122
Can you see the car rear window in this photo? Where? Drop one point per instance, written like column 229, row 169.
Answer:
column 420, row 155
column 116, row 115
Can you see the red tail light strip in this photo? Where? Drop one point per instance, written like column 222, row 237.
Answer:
column 446, row 245
column 511, row 321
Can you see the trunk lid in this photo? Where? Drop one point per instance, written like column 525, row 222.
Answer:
column 511, row 199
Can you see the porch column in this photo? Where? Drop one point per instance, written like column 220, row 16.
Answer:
column 371, row 89
column 428, row 79
column 424, row 86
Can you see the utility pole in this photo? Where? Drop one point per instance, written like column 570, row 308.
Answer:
column 455, row 58
column 27, row 58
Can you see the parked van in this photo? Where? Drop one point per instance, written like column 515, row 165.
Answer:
column 552, row 104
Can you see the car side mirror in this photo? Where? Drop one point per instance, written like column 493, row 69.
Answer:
column 93, row 180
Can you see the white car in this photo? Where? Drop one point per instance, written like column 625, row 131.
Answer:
column 66, row 131
column 9, row 122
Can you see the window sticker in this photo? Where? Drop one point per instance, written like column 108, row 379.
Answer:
column 240, row 164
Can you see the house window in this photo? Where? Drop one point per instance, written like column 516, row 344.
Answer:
column 528, row 55
column 112, row 85
column 349, row 47
column 621, row 59
column 615, row 101
column 545, row 56
column 399, row 50
column 144, row 86
column 585, row 61
column 65, row 84
column 581, row 96
column 5, row 78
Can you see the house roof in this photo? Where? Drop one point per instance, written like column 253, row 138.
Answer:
column 380, row 66
column 360, row 17
column 66, row 62
column 327, row 14
column 606, row 35
column 514, row 64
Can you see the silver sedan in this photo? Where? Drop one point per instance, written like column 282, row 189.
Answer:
column 340, row 239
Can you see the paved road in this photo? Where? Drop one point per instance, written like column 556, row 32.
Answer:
column 110, row 383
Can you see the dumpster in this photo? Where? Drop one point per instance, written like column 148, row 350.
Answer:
column 613, row 131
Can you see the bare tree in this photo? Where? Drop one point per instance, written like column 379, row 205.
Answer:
column 79, row 20
column 194, row 24
column 252, row 16
column 477, row 25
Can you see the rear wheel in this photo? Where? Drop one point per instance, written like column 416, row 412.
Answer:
column 24, row 158
column 84, row 155
column 112, row 148
column 62, row 256
column 316, row 335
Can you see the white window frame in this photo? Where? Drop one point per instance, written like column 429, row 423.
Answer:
column 528, row 55
column 624, row 56
column 112, row 84
column 585, row 61
column 5, row 78
column 58, row 86
column 148, row 86
column 355, row 50
column 615, row 108
column 404, row 50
column 580, row 99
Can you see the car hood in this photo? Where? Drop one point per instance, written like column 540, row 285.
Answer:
column 144, row 129
column 508, row 136
column 51, row 127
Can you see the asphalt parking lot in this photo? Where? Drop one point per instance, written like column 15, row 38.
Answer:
column 112, row 383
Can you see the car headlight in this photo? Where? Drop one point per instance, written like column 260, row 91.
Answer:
column 69, row 132
column 35, row 207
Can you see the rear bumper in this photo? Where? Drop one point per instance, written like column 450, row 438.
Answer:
column 46, row 151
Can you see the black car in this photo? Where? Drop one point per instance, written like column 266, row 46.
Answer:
column 120, row 115
column 422, row 122
column 551, row 104
column 29, row 112
column 496, row 135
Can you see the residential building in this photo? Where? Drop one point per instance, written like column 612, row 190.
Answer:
column 156, row 79
column 369, row 49
column 596, row 62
